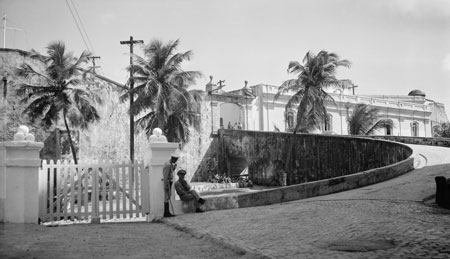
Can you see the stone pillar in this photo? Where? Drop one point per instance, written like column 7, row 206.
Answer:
column 19, row 181
column 155, row 158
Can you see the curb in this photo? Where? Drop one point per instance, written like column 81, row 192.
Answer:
column 429, row 199
column 223, row 241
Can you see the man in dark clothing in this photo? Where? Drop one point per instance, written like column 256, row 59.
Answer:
column 183, row 190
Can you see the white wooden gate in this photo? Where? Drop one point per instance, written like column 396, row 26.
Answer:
column 95, row 190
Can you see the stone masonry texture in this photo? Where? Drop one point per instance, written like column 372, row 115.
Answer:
column 303, row 157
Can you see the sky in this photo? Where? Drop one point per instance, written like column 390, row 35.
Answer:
column 395, row 46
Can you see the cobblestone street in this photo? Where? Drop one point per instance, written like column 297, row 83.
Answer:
column 353, row 224
column 305, row 229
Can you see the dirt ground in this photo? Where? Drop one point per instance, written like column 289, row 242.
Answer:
column 107, row 240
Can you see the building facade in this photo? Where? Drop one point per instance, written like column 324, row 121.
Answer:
column 254, row 108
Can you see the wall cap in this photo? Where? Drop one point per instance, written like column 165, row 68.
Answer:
column 21, row 144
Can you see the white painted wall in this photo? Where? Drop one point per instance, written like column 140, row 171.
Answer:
column 19, row 181
column 264, row 112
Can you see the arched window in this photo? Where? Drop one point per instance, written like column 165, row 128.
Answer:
column 328, row 123
column 290, row 120
column 388, row 127
column 388, row 130
column 415, row 129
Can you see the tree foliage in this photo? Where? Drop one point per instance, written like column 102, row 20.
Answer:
column 162, row 96
column 443, row 130
column 364, row 120
column 57, row 91
column 316, row 73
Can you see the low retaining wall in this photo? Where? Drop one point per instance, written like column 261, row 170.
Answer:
column 280, row 159
column 311, row 189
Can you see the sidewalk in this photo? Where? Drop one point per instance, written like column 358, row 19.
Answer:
column 385, row 220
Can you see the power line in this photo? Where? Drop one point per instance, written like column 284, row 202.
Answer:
column 82, row 26
column 78, row 26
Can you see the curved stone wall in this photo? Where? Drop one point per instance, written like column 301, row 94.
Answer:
column 277, row 159
column 310, row 189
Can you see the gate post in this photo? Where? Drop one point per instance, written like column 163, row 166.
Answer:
column 19, row 181
column 155, row 156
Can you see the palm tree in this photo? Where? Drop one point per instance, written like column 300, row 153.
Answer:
column 55, row 91
column 162, row 96
column 364, row 120
column 316, row 73
column 443, row 130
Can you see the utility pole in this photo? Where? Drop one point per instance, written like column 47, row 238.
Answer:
column 93, row 58
column 131, row 42
column 353, row 88
column 7, row 28
column 5, row 105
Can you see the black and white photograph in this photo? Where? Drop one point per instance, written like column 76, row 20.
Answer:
column 225, row 129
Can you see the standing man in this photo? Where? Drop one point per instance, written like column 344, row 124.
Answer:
column 185, row 192
column 168, row 170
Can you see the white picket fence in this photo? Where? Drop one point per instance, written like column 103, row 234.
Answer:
column 92, row 190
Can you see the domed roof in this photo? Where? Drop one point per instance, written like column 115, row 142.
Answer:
column 416, row 93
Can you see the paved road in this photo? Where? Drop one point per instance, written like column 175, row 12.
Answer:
column 386, row 220
column 136, row 240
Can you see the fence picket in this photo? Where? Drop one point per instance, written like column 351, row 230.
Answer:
column 50, row 196
column 64, row 191
column 138, row 176
column 124, row 191
column 86, row 192
column 131, row 180
column 103, row 190
column 117, row 182
column 79, row 192
column 94, row 192
column 72, row 193
column 111, row 191
column 58, row 178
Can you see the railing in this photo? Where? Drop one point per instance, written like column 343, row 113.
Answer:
column 92, row 190
column 404, row 104
column 401, row 102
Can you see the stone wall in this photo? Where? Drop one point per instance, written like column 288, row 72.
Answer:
column 198, row 155
column 10, row 59
column 277, row 159
column 109, row 138
column 311, row 189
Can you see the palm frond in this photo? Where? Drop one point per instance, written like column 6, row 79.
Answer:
column 317, row 72
column 288, row 85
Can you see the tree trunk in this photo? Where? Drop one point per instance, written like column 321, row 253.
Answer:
column 74, row 154
column 57, row 144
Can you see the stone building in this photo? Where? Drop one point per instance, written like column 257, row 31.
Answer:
column 10, row 106
column 255, row 109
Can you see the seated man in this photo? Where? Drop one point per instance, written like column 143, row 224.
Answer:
column 183, row 190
